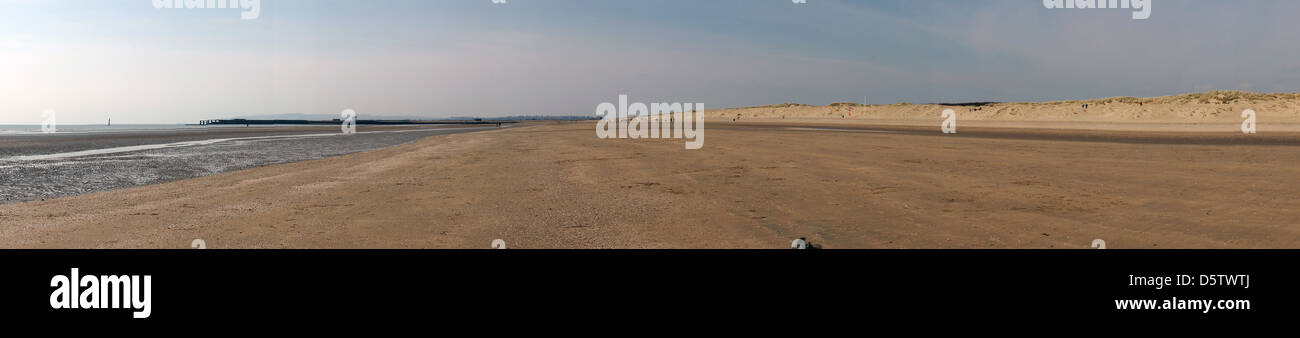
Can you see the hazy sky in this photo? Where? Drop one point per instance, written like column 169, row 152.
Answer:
column 92, row 59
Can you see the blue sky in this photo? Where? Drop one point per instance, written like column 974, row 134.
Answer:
column 89, row 59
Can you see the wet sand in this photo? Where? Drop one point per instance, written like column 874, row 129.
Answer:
column 29, row 144
column 558, row 186
column 45, row 166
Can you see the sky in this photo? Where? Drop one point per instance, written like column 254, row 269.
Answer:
column 90, row 60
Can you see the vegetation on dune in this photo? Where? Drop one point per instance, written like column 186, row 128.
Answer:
column 1228, row 96
column 1210, row 97
column 1118, row 99
column 781, row 105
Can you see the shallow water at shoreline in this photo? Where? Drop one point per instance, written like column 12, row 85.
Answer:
column 35, row 167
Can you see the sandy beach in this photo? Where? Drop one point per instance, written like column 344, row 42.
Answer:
column 755, row 184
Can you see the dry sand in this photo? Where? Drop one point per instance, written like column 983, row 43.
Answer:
column 556, row 185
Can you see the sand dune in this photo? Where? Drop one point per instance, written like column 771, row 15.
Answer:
column 1216, row 107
